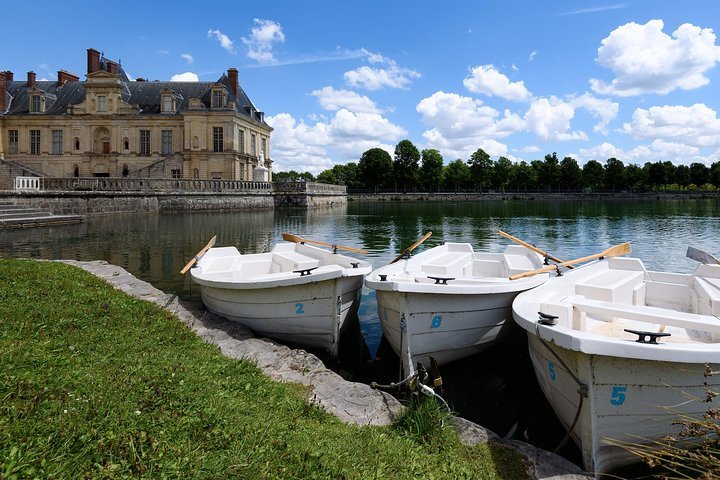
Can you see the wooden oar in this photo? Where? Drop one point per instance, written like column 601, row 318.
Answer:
column 412, row 247
column 289, row 237
column 199, row 255
column 617, row 250
column 531, row 247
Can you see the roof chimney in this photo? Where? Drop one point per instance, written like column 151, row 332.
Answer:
column 93, row 60
column 8, row 75
column 31, row 79
column 64, row 76
column 2, row 91
column 112, row 67
column 233, row 80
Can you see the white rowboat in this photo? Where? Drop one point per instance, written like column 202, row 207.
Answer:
column 632, row 391
column 449, row 302
column 296, row 293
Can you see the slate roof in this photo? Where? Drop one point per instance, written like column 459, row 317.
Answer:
column 145, row 95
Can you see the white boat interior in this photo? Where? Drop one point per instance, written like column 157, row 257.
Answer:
column 288, row 263
column 597, row 303
column 459, row 269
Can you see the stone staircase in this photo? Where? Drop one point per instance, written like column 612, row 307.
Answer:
column 18, row 216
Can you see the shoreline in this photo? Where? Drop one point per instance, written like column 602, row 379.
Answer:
column 555, row 196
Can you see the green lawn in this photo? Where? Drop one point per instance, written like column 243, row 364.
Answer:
column 95, row 383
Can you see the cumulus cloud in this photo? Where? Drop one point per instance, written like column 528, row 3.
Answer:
column 331, row 99
column 694, row 125
column 340, row 139
column 549, row 119
column 486, row 79
column 388, row 74
column 532, row 55
column 261, row 40
column 187, row 57
column 657, row 150
column 603, row 109
column 184, row 77
column 644, row 59
column 222, row 39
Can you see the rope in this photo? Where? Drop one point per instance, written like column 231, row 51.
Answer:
column 582, row 388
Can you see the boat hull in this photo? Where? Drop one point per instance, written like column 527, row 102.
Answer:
column 629, row 400
column 312, row 314
column 445, row 327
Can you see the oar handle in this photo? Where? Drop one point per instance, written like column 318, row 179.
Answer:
column 198, row 255
column 617, row 250
column 531, row 247
column 412, row 247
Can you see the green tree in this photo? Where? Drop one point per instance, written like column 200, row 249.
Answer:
column 405, row 167
column 699, row 174
column 346, row 174
column 375, row 168
column 550, row 172
column 570, row 174
column 682, row 176
column 456, row 175
column 635, row 177
column 593, row 174
column 715, row 174
column 327, row 176
column 523, row 176
column 614, row 174
column 431, row 170
column 293, row 176
column 481, row 168
column 501, row 173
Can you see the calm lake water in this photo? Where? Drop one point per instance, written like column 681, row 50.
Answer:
column 155, row 247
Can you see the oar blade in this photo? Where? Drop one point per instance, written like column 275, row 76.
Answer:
column 618, row 250
column 701, row 256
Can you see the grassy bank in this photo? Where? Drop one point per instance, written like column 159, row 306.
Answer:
column 94, row 384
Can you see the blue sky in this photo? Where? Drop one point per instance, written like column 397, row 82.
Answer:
column 637, row 80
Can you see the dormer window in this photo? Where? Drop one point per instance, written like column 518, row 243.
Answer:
column 35, row 103
column 168, row 104
column 218, row 98
column 102, row 103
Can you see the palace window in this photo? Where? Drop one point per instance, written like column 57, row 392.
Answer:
column 144, row 142
column 102, row 103
column 77, row 143
column 34, row 142
column 253, row 146
column 167, row 104
column 167, row 142
column 241, row 148
column 57, row 142
column 35, row 104
column 217, row 98
column 263, row 146
column 218, row 139
column 176, row 173
column 12, row 141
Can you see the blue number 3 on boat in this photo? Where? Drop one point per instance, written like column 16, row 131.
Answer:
column 436, row 321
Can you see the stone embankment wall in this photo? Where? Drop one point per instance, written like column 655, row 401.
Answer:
column 454, row 197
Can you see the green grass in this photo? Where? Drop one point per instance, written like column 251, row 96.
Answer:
column 97, row 384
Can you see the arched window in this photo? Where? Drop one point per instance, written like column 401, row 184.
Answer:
column 76, row 171
column 77, row 144
column 126, row 144
column 125, row 171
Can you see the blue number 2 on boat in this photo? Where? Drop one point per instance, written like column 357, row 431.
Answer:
column 299, row 308
column 618, row 395
column 436, row 321
column 551, row 369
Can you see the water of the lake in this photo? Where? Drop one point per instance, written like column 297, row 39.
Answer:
column 496, row 389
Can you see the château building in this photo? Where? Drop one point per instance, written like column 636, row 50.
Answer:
column 111, row 126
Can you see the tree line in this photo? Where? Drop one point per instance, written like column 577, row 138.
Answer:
column 414, row 170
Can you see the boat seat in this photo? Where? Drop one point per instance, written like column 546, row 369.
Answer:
column 291, row 261
column 452, row 263
column 655, row 315
column 708, row 295
column 518, row 264
column 675, row 296
column 611, row 285
column 488, row 268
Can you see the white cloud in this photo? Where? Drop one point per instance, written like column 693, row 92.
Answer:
column 187, row 57
column 658, row 150
column 600, row 108
column 549, row 119
column 532, row 55
column 163, row 52
column 487, row 80
column 223, row 39
column 341, row 139
column 262, row 38
column 694, row 125
column 184, row 77
column 529, row 149
column 644, row 59
column 331, row 99
column 390, row 75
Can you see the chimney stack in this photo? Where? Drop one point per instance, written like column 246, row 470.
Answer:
column 2, row 92
column 31, row 79
column 233, row 80
column 8, row 75
column 93, row 60
column 65, row 76
column 112, row 67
